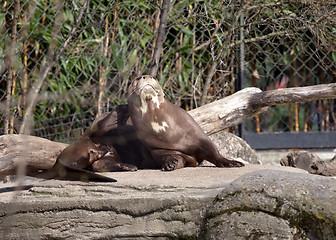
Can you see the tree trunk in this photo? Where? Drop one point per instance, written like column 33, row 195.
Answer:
column 161, row 34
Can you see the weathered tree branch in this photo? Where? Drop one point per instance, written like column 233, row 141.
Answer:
column 37, row 153
column 294, row 95
column 160, row 37
column 245, row 104
column 229, row 111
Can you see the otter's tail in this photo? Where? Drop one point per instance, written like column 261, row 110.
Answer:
column 59, row 171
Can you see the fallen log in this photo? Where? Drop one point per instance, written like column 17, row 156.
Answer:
column 40, row 153
column 37, row 153
column 245, row 104
column 227, row 112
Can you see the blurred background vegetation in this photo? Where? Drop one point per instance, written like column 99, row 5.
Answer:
column 211, row 50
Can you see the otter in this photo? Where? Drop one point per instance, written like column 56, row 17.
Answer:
column 72, row 163
column 170, row 135
column 115, row 130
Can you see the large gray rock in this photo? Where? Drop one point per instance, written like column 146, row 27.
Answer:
column 234, row 147
column 147, row 204
column 279, row 202
column 310, row 162
column 274, row 205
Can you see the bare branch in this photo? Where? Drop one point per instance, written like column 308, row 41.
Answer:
column 273, row 34
column 160, row 38
column 46, row 69
column 11, row 65
column 102, row 69
column 294, row 95
column 213, row 67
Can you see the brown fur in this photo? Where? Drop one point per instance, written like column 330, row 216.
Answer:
column 172, row 137
column 81, row 154
column 72, row 162
column 110, row 164
column 115, row 129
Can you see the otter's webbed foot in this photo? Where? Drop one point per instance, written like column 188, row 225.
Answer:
column 229, row 163
column 172, row 162
column 109, row 164
column 127, row 167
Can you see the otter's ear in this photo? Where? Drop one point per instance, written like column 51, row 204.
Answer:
column 130, row 89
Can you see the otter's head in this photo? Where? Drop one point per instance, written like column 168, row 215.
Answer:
column 145, row 91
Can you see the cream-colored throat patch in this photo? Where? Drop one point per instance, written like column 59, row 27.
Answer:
column 159, row 127
column 144, row 104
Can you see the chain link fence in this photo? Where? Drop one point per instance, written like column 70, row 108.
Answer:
column 306, row 58
column 78, row 57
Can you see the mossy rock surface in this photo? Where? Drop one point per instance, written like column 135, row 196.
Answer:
column 274, row 205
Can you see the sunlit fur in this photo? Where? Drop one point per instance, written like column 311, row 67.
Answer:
column 159, row 127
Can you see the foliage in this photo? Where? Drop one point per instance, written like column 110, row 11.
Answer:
column 115, row 41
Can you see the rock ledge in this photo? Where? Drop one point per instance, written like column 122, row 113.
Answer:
column 151, row 204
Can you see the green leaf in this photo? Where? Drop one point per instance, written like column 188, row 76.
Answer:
column 333, row 54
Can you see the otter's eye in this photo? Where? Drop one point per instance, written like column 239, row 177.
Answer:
column 137, row 79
